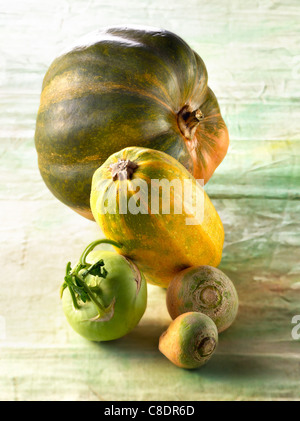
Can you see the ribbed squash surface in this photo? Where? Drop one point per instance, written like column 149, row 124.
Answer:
column 125, row 87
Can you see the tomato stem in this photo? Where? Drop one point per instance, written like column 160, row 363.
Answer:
column 91, row 247
column 74, row 299
column 76, row 282
column 100, row 306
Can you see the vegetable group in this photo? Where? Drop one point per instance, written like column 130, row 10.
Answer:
column 161, row 244
column 105, row 295
column 190, row 340
column 120, row 87
column 126, row 130
column 204, row 289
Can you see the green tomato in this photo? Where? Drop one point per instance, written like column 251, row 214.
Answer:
column 105, row 296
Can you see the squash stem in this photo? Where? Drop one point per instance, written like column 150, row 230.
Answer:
column 123, row 169
column 188, row 121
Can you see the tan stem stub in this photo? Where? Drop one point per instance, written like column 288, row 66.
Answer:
column 123, row 169
column 206, row 347
column 210, row 297
column 188, row 121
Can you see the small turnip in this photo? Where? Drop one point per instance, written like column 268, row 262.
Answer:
column 205, row 289
column 190, row 340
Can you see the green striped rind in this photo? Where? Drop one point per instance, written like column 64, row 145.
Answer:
column 160, row 244
column 121, row 87
column 195, row 328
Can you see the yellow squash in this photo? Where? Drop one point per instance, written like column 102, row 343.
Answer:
column 148, row 202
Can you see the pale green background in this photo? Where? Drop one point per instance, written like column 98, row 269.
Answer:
column 252, row 53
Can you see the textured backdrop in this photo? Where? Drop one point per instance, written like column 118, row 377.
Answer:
column 252, row 53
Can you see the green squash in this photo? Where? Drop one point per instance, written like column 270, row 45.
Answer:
column 120, row 87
